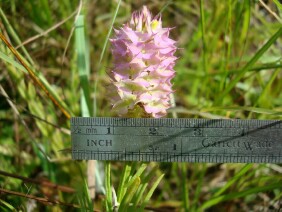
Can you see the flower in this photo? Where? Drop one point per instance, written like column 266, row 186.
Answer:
column 143, row 67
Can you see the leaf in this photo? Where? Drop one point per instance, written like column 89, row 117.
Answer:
column 38, row 79
column 7, row 205
column 85, row 197
column 144, row 183
column 125, row 203
column 150, row 193
column 250, row 109
column 109, row 201
column 235, row 195
column 138, row 173
column 254, row 59
column 15, row 36
column 83, row 66
column 103, row 52
column 196, row 113
column 236, row 177
column 12, row 61
column 278, row 4
column 124, row 177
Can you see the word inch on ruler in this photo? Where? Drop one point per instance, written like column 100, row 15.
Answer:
column 177, row 140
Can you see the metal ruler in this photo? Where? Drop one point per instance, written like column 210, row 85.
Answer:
column 177, row 140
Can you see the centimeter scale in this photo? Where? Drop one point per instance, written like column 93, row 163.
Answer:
column 177, row 140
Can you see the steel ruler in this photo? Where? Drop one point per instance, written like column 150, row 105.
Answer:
column 177, row 140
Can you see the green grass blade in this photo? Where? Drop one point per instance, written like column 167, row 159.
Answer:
column 83, row 66
column 131, row 191
column 234, row 179
column 138, row 196
column 15, row 36
column 227, row 48
column 38, row 79
column 250, row 109
column 99, row 181
column 203, row 26
column 12, row 62
column 254, row 59
column 145, row 178
column 278, row 4
column 7, row 205
column 122, row 187
column 109, row 34
column 103, row 52
column 185, row 188
column 140, row 170
column 263, row 95
column 245, row 27
column 240, row 194
column 199, row 186
column 86, row 199
column 109, row 201
column 150, row 193
column 262, row 67
column 195, row 113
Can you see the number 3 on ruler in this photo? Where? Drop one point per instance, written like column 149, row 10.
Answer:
column 153, row 131
column 198, row 132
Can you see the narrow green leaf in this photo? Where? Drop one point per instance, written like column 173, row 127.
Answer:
column 109, row 33
column 262, row 67
column 40, row 77
column 236, row 195
column 254, row 59
column 7, row 205
column 83, row 66
column 185, row 189
column 250, row 109
column 227, row 47
column 200, row 180
column 12, row 62
column 203, row 26
column 137, row 174
column 150, row 193
column 138, row 195
column 144, row 183
column 124, row 177
column 234, row 179
column 125, row 203
column 263, row 95
column 109, row 201
column 245, row 27
column 99, row 180
column 103, row 52
column 15, row 36
column 278, row 4
column 87, row 202
column 196, row 113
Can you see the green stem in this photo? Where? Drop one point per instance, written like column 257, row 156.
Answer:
column 108, row 186
column 185, row 191
column 124, row 177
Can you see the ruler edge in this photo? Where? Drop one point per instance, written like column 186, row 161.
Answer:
column 112, row 121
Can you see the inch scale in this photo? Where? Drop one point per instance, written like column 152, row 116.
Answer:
column 177, row 140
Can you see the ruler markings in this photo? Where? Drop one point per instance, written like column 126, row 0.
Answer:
column 187, row 157
column 180, row 140
column 219, row 123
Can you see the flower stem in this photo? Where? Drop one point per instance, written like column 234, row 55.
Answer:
column 108, row 186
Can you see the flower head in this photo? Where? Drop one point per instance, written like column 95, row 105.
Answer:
column 143, row 67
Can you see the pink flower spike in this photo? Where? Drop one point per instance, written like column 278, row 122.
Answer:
column 143, row 56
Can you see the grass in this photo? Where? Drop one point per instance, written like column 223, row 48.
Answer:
column 229, row 66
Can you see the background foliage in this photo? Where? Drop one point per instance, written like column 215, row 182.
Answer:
column 229, row 66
